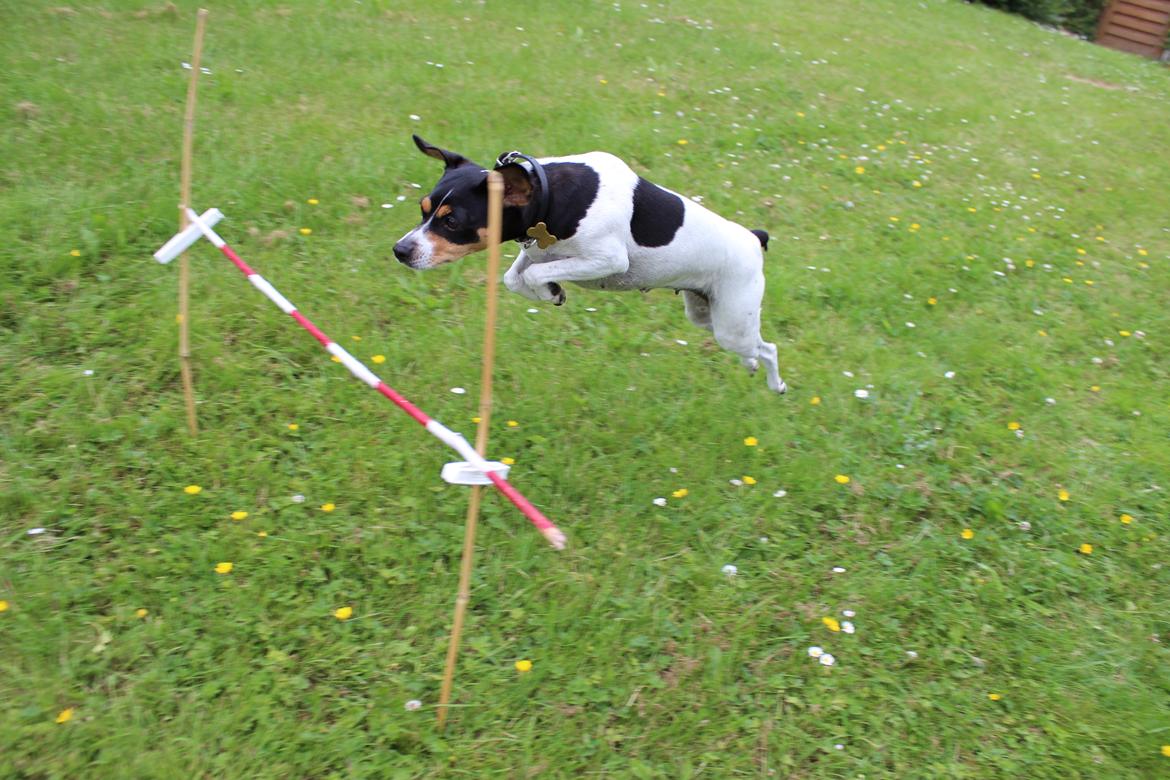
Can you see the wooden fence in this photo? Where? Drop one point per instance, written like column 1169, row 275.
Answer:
column 1137, row 26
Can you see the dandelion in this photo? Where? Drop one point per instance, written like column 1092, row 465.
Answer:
column 3, row 605
column 683, row 142
column 967, row 533
column 994, row 696
column 1126, row 519
column 328, row 507
column 224, row 567
column 815, row 400
column 293, row 427
column 343, row 613
column 680, row 493
column 507, row 461
column 751, row 441
column 860, row 169
column 379, row 359
column 141, row 613
column 831, row 624
column 1166, row 750
column 65, row 715
column 239, row 514
column 512, row 423
column 1095, row 389
column 475, row 420
column 932, row 300
column 917, row 183
column 192, row 490
column 749, row 480
column 1013, row 426
column 1063, row 495
column 262, row 534
column 841, row 479
column 306, row 231
column 523, row 665
column 75, row 253
column 1085, row 549
column 312, row 201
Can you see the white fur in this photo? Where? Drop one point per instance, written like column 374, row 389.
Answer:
column 722, row 259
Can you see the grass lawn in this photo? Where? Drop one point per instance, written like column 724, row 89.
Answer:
column 967, row 281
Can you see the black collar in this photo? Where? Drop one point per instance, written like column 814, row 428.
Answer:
column 530, row 164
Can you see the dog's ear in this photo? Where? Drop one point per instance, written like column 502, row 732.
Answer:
column 517, row 185
column 451, row 159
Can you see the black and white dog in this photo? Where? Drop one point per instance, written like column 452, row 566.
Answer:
column 589, row 219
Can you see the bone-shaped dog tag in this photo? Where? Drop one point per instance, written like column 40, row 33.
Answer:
column 544, row 239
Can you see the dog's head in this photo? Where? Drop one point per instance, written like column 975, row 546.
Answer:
column 454, row 214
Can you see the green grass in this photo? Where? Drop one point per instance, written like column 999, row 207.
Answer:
column 648, row 661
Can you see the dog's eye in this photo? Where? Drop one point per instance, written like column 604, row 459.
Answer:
column 450, row 221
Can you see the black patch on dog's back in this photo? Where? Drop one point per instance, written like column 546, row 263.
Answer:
column 658, row 215
column 574, row 187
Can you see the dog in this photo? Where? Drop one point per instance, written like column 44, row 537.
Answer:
column 591, row 220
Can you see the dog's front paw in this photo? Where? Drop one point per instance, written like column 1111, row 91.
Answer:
column 558, row 293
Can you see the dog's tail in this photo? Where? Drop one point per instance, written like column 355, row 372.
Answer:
column 763, row 236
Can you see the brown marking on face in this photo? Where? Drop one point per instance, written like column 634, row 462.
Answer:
column 443, row 211
column 445, row 251
column 426, row 204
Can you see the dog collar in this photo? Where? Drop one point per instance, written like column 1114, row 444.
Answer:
column 538, row 231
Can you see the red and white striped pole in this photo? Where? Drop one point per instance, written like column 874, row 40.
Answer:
column 444, row 434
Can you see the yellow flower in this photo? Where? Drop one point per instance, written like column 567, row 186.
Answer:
column 1095, row 389
column 141, row 613
column 831, row 623
column 751, row 441
column 356, row 338
column 512, row 423
column 192, row 490
column 1030, row 263
column 328, row 507
column 815, row 400
column 524, row 665
column 335, row 359
column 860, row 169
column 682, row 492
column 262, row 534
column 994, row 696
column 1042, row 332
column 239, row 514
column 841, row 479
column 967, row 533
column 683, row 142
column 75, row 253
column 293, row 427
column 313, row 201
column 306, row 231
column 603, row 81
column 914, row 226
column 1166, row 750
column 379, row 358
column 507, row 461
column 223, row 568
column 800, row 114
column 1123, row 333
column 1126, row 519
column 1085, row 549
column 917, row 183
column 1063, row 495
column 3, row 605
column 475, row 420
column 749, row 480
column 1013, row 426
column 343, row 613
column 1081, row 251
column 65, row 715
column 932, row 300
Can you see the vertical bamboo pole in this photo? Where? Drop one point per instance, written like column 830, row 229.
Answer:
column 495, row 220
column 184, row 200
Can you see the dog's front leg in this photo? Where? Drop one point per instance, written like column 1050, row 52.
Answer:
column 606, row 261
column 515, row 281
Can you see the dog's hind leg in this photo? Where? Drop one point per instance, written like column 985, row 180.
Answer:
column 735, row 320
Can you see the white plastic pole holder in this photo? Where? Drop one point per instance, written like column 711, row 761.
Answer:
column 183, row 240
column 464, row 473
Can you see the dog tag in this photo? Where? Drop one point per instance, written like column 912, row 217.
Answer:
column 544, row 239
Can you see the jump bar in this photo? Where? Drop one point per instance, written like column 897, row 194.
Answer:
column 182, row 241
column 449, row 437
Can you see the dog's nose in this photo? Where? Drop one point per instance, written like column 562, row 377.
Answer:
column 402, row 251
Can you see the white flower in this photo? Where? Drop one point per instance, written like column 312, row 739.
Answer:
column 298, row 499
column 827, row 659
column 911, row 325
column 911, row 654
column 861, row 393
column 780, row 494
column 660, row 501
column 730, row 570
column 413, row 705
column 848, row 613
column 949, row 375
column 458, row 390
column 847, row 627
column 88, row 372
column 534, row 311
column 416, row 118
column 680, row 342
column 736, row 482
column 815, row 652
column 838, row 569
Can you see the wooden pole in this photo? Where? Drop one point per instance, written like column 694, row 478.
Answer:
column 184, row 199
column 495, row 220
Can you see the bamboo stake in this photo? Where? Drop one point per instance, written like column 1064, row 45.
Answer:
column 184, row 199
column 495, row 220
